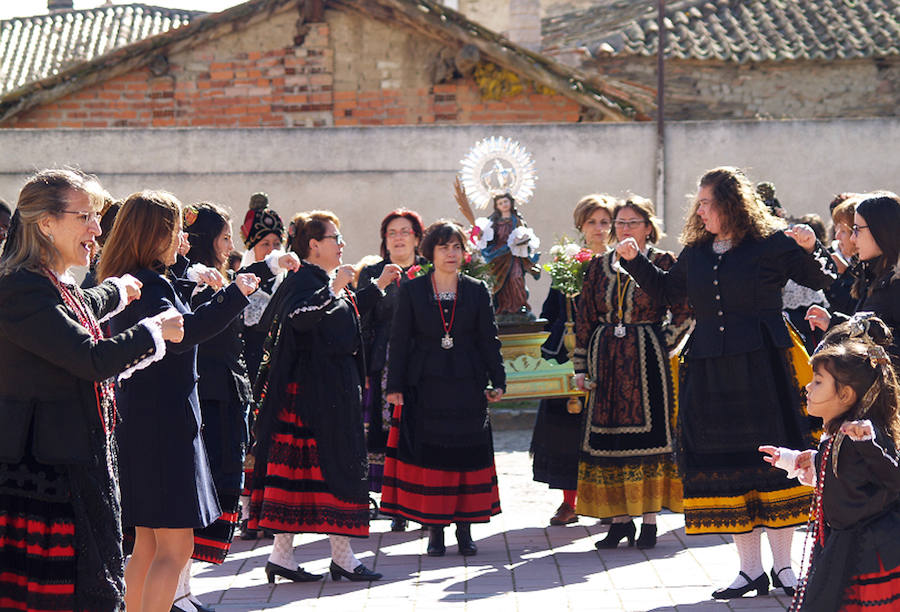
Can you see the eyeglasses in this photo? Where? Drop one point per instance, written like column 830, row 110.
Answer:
column 337, row 238
column 86, row 217
column 397, row 233
column 630, row 224
column 856, row 229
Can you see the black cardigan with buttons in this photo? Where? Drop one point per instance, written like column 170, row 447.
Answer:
column 737, row 294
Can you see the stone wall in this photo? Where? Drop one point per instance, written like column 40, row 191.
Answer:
column 347, row 70
column 698, row 90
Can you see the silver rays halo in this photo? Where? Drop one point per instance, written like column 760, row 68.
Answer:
column 497, row 165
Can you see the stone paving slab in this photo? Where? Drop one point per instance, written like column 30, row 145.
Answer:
column 522, row 565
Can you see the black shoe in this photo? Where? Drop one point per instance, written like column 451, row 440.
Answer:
column 606, row 521
column 246, row 533
column 760, row 585
column 201, row 608
column 777, row 584
column 398, row 524
column 464, row 541
column 373, row 508
column 616, row 532
column 360, row 574
column 647, row 539
column 436, row 546
column 268, row 534
column 297, row 575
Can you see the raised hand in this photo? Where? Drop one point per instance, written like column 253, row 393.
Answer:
column 390, row 273
column 802, row 235
column 289, row 261
column 628, row 249
column 858, row 430
column 343, row 277
column 247, row 283
column 132, row 287
column 818, row 318
column 171, row 324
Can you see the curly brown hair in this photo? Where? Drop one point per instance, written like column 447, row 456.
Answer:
column 741, row 212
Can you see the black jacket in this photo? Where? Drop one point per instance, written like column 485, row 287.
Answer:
column 48, row 364
column 735, row 295
column 417, row 330
column 882, row 296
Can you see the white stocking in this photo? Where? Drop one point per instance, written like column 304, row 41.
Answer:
column 780, row 541
column 342, row 554
column 245, row 507
column 748, row 547
column 283, row 551
column 649, row 518
column 184, row 588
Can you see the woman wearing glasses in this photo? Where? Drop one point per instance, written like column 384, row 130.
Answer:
column 311, row 474
column 876, row 236
column 401, row 232
column 623, row 340
column 843, row 252
column 737, row 385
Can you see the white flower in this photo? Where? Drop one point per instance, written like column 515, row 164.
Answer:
column 556, row 250
column 571, row 250
column 482, row 233
column 523, row 241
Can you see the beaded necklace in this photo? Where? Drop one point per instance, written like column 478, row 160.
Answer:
column 815, row 530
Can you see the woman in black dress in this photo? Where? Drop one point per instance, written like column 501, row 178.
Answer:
column 439, row 467
column 401, row 231
column 167, row 487
column 311, row 474
column 739, row 388
column 557, row 433
column 61, row 539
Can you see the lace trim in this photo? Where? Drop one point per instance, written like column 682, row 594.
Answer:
column 146, row 359
column 123, row 298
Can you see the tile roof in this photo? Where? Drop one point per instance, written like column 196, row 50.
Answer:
column 32, row 48
column 733, row 30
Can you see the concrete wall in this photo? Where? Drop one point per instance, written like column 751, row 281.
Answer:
column 361, row 173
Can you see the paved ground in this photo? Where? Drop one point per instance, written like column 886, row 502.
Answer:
column 522, row 565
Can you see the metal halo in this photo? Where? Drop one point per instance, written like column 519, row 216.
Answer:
column 497, row 165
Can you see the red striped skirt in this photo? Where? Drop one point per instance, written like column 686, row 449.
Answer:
column 436, row 497
column 876, row 591
column 37, row 555
column 295, row 497
column 212, row 543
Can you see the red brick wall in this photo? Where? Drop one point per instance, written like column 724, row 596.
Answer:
column 282, row 87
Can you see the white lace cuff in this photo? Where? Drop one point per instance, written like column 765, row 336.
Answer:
column 272, row 261
column 147, row 358
column 123, row 298
column 787, row 461
column 193, row 273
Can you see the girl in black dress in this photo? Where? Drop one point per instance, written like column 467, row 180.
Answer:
column 439, row 467
column 167, row 486
column 401, row 231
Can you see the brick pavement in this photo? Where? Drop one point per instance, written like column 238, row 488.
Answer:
column 521, row 566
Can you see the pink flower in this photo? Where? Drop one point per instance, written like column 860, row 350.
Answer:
column 583, row 255
column 474, row 234
column 468, row 258
column 413, row 271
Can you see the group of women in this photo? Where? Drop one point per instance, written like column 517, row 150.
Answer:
column 125, row 405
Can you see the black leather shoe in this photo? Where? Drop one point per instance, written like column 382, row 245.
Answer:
column 760, row 585
column 297, row 575
column 777, row 584
column 201, row 608
column 360, row 574
column 616, row 532
column 647, row 539
column 398, row 524
column 436, row 546
column 246, row 533
column 464, row 541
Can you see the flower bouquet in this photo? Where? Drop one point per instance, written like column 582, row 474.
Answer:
column 568, row 266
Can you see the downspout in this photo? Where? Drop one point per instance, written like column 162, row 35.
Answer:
column 661, row 204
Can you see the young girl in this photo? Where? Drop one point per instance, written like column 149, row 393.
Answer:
column 855, row 518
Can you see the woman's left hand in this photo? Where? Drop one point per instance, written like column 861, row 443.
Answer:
column 247, row 283
column 494, row 395
column 132, row 287
column 390, row 273
column 184, row 245
column 802, row 235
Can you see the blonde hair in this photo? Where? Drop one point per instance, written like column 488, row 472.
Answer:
column 146, row 227
column 46, row 193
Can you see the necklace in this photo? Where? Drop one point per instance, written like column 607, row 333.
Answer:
column 721, row 245
column 447, row 340
column 619, row 330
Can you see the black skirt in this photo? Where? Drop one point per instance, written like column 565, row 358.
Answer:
column 554, row 445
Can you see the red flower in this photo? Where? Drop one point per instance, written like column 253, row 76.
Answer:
column 474, row 234
column 468, row 258
column 413, row 271
column 583, row 255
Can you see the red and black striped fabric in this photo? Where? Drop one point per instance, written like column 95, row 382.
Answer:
column 212, row 543
column 37, row 555
column 436, row 497
column 876, row 591
column 295, row 497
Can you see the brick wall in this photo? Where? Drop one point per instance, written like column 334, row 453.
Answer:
column 347, row 70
